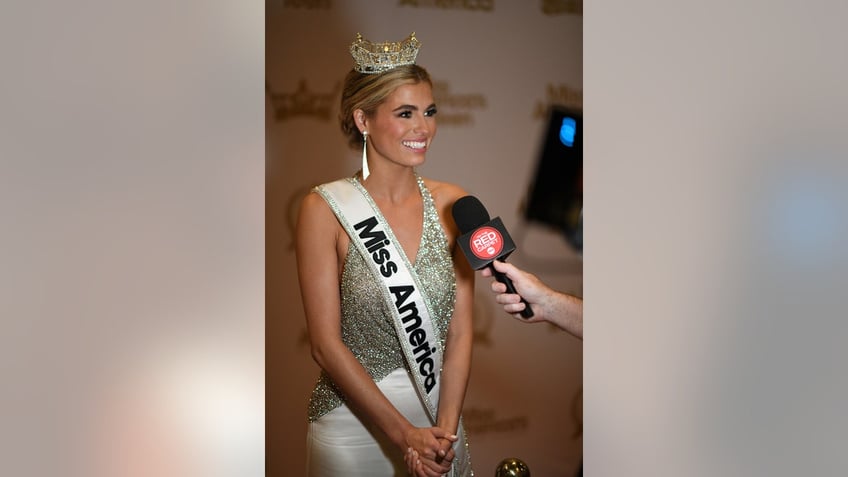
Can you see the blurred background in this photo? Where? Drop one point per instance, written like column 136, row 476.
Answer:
column 506, row 74
column 137, row 140
column 132, row 205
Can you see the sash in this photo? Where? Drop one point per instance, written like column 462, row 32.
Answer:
column 370, row 233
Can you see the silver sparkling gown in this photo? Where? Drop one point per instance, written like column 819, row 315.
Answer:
column 339, row 443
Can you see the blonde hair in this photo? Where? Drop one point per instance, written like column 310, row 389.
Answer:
column 368, row 91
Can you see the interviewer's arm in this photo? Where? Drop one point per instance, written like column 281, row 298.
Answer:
column 563, row 310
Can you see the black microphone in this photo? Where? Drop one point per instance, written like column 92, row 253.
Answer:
column 483, row 241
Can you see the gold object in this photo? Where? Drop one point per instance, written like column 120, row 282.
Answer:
column 512, row 467
column 379, row 57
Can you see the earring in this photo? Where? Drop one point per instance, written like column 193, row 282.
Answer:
column 365, row 171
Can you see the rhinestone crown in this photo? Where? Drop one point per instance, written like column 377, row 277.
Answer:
column 379, row 57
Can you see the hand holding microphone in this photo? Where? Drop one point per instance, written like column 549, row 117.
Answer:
column 484, row 240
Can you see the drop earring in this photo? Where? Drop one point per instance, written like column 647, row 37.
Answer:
column 365, row 171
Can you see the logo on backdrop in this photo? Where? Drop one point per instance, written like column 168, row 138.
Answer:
column 302, row 102
column 456, row 109
column 561, row 95
column 476, row 5
column 562, row 7
column 486, row 421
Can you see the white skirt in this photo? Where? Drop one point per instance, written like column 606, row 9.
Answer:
column 339, row 444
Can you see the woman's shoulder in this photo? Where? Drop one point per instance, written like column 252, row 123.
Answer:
column 315, row 210
column 313, row 200
column 444, row 193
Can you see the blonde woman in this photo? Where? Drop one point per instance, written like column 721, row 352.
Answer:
column 387, row 296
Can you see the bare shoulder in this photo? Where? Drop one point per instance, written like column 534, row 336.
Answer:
column 444, row 193
column 315, row 213
column 314, row 203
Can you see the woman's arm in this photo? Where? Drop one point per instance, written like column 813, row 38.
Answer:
column 456, row 366
column 318, row 264
column 457, row 360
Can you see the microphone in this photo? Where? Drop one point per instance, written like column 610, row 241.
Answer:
column 483, row 241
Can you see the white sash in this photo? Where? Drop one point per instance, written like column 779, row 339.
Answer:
column 374, row 240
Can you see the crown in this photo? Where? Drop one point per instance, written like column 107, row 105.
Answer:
column 379, row 57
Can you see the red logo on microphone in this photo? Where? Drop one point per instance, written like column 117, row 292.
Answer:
column 486, row 243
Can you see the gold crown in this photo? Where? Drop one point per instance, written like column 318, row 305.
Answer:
column 379, row 57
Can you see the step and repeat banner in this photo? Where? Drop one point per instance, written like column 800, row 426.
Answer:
column 498, row 67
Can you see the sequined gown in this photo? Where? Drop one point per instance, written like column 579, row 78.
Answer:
column 339, row 443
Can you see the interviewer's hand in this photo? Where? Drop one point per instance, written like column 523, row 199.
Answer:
column 528, row 287
column 560, row 309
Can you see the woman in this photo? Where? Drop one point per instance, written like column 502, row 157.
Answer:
column 387, row 296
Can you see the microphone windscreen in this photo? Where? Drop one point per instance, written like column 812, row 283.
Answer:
column 469, row 213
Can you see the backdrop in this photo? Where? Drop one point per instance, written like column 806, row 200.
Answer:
column 498, row 66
